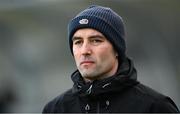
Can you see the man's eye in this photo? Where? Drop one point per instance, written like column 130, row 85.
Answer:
column 77, row 42
column 96, row 41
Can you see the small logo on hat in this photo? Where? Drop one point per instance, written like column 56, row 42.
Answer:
column 83, row 21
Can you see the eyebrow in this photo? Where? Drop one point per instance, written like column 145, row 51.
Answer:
column 92, row 36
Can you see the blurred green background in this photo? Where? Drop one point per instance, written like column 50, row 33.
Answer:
column 35, row 60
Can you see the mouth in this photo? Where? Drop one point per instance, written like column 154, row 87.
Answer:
column 86, row 62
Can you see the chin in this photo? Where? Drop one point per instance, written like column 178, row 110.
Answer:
column 88, row 73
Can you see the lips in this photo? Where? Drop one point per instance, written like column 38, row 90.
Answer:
column 86, row 62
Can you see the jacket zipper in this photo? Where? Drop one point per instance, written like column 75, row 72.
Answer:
column 98, row 107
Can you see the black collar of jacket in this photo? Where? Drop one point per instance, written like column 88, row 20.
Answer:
column 125, row 77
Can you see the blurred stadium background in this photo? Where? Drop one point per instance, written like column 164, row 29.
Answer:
column 35, row 60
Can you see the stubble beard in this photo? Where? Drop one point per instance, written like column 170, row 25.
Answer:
column 90, row 74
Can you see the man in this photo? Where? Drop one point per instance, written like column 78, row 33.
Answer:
column 105, row 81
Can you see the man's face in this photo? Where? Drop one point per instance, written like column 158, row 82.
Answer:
column 94, row 55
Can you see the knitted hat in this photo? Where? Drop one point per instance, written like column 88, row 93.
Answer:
column 104, row 20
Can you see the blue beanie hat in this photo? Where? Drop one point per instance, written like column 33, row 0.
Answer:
column 104, row 20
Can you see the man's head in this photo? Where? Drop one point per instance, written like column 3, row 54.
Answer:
column 104, row 21
column 94, row 55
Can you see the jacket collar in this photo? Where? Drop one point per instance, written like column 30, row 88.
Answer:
column 125, row 77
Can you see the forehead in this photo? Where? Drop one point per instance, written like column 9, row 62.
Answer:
column 85, row 32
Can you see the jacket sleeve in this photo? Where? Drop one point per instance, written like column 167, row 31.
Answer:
column 48, row 108
column 164, row 106
column 45, row 109
column 54, row 106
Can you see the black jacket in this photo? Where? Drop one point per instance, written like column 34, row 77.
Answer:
column 119, row 93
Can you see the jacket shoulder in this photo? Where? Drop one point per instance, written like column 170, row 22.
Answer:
column 157, row 101
column 56, row 105
column 147, row 92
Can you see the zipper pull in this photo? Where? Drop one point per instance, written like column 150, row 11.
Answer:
column 87, row 108
column 88, row 91
column 107, row 103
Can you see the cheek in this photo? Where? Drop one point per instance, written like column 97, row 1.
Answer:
column 75, row 51
column 105, row 54
column 75, row 54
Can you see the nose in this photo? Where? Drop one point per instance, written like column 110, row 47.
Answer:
column 86, row 49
